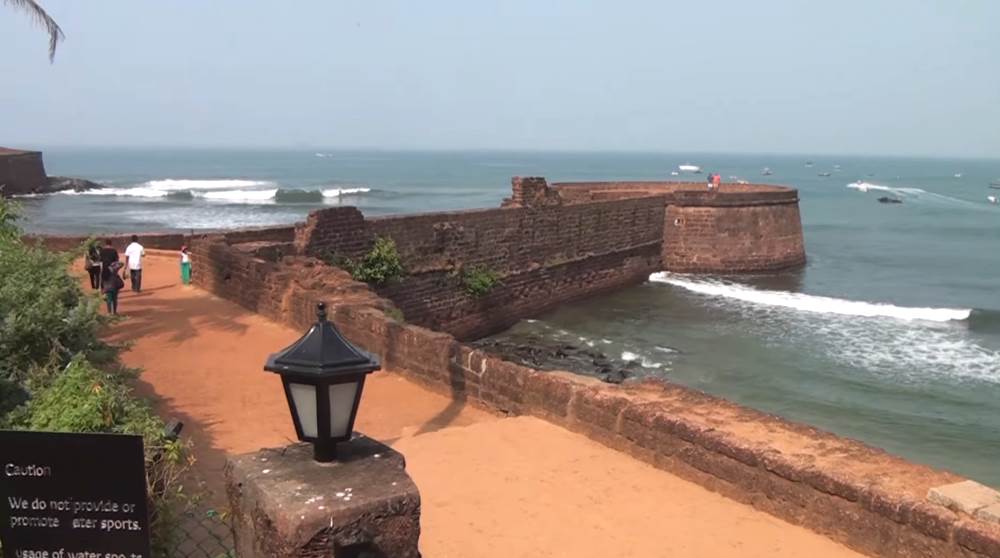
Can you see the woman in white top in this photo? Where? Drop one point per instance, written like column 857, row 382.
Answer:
column 185, row 266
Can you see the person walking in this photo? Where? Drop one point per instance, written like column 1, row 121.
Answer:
column 133, row 258
column 108, row 256
column 111, row 285
column 92, row 263
column 185, row 266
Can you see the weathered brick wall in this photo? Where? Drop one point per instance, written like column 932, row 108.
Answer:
column 545, row 255
column 21, row 172
column 738, row 228
column 861, row 496
column 726, row 239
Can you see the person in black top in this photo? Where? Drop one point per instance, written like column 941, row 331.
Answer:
column 92, row 263
column 108, row 256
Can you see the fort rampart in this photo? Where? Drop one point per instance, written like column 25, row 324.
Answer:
column 554, row 244
column 21, row 172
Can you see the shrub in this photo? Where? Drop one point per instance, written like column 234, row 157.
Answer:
column 83, row 398
column 479, row 280
column 44, row 313
column 380, row 265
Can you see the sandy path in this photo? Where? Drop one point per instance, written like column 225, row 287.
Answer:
column 490, row 486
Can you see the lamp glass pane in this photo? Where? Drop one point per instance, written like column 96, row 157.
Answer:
column 304, row 396
column 341, row 406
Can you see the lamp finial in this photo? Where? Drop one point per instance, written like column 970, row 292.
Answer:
column 321, row 311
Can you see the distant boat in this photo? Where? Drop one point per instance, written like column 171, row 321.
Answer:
column 958, row 175
column 809, row 163
column 741, row 181
column 995, row 186
column 836, row 167
column 871, row 174
column 995, row 183
column 674, row 173
column 766, row 172
column 993, row 199
column 823, row 174
column 887, row 199
column 688, row 167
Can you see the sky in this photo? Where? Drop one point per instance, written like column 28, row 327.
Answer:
column 907, row 77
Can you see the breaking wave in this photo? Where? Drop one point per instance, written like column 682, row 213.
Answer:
column 809, row 303
column 172, row 189
column 207, row 184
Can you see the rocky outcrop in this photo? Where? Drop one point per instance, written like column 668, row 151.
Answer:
column 548, row 354
column 60, row 183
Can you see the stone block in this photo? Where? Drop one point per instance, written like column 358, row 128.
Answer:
column 966, row 496
column 990, row 513
column 285, row 504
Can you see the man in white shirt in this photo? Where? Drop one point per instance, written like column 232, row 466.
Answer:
column 133, row 258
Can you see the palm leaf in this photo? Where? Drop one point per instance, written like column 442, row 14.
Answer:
column 38, row 14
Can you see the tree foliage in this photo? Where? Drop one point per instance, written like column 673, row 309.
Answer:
column 38, row 14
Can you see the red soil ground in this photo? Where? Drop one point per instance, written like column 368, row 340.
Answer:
column 490, row 486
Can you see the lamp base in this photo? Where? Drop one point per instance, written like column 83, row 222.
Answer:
column 325, row 452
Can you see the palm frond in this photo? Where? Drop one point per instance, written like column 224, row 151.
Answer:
column 39, row 16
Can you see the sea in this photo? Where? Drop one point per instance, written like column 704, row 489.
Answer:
column 890, row 334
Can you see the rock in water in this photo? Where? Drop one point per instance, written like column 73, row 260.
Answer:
column 60, row 183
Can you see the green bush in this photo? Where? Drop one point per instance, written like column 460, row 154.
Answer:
column 83, row 398
column 44, row 313
column 479, row 280
column 380, row 265
column 49, row 375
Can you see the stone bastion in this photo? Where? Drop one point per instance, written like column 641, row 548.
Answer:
column 554, row 244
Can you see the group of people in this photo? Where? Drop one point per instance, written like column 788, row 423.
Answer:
column 107, row 272
column 714, row 180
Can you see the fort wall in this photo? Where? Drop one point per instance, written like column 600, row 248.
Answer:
column 543, row 255
column 21, row 172
column 859, row 495
column 738, row 228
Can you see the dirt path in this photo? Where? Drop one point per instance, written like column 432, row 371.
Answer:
column 490, row 486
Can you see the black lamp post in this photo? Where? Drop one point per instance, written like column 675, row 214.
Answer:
column 323, row 375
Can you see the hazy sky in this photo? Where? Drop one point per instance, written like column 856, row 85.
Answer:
column 876, row 77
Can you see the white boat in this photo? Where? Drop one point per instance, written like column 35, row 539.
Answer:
column 993, row 199
column 958, row 175
column 688, row 167
column 674, row 173
column 766, row 172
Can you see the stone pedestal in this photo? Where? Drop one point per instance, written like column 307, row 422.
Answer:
column 284, row 504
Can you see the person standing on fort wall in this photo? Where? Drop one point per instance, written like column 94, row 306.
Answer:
column 133, row 257
column 716, row 181
column 709, row 179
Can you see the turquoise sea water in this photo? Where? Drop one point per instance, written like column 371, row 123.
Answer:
column 890, row 334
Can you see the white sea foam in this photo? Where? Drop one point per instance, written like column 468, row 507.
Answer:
column 629, row 355
column 124, row 192
column 239, row 195
column 173, row 184
column 336, row 192
column 808, row 303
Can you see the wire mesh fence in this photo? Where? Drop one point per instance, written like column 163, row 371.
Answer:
column 204, row 533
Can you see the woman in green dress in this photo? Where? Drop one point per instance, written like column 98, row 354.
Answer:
column 185, row 266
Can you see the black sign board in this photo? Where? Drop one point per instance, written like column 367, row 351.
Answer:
column 72, row 496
